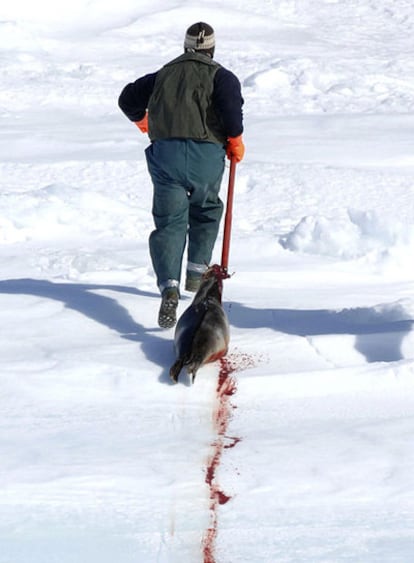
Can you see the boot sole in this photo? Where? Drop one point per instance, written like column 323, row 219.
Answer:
column 167, row 316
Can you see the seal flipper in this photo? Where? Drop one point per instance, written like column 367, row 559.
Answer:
column 193, row 366
column 175, row 369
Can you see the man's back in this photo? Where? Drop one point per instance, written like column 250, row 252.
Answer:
column 181, row 104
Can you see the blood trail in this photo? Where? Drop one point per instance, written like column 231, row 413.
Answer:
column 226, row 388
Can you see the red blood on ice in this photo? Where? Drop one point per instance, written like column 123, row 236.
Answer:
column 226, row 388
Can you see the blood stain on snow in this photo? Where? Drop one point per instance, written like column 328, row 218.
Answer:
column 226, row 388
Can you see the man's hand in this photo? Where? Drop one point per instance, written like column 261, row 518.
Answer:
column 142, row 124
column 235, row 148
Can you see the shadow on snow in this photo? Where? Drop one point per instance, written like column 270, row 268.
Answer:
column 367, row 324
column 379, row 332
column 102, row 309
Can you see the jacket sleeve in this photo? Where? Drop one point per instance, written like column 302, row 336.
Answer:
column 134, row 98
column 228, row 101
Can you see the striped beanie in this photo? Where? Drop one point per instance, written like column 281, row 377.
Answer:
column 200, row 37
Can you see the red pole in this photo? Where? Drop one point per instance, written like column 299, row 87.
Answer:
column 228, row 217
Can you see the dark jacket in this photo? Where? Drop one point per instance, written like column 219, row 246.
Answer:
column 225, row 94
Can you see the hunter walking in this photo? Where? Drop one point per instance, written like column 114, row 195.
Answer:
column 192, row 111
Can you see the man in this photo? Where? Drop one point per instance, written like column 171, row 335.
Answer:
column 192, row 111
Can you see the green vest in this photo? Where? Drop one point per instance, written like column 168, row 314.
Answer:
column 180, row 105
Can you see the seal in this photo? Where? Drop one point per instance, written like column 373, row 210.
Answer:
column 202, row 333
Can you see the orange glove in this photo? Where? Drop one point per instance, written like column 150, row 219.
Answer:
column 235, row 148
column 143, row 124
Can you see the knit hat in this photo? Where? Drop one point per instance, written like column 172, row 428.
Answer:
column 200, row 37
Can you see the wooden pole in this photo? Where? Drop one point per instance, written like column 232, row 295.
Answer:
column 228, row 217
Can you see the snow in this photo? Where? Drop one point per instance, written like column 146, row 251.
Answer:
column 102, row 459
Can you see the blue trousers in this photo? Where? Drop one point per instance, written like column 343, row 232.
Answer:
column 186, row 175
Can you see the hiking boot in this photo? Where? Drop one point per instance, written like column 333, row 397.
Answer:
column 167, row 316
column 192, row 282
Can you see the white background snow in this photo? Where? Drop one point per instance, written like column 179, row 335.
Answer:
column 102, row 459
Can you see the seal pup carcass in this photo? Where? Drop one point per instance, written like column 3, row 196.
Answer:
column 202, row 333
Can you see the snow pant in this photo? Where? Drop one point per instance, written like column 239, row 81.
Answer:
column 186, row 175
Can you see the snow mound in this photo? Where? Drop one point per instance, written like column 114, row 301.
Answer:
column 58, row 210
column 354, row 235
column 75, row 17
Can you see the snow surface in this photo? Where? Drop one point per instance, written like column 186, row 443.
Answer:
column 102, row 459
